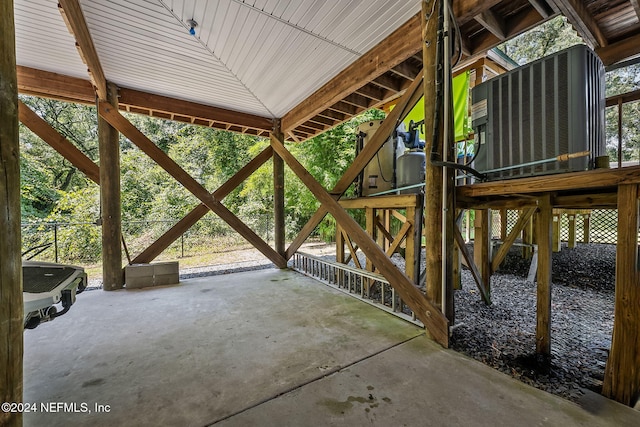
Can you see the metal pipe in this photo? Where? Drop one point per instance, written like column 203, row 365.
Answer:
column 446, row 76
column 560, row 158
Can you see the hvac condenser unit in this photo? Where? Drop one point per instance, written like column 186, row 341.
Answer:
column 551, row 107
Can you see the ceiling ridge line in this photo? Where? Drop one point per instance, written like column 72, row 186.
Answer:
column 208, row 49
column 299, row 28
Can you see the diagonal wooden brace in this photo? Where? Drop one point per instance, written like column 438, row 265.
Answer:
column 435, row 322
column 115, row 119
column 404, row 105
column 171, row 235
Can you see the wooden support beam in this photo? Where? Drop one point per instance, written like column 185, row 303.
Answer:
column 543, row 305
column 429, row 315
column 11, row 298
column 557, row 229
column 636, row 7
column 475, row 273
column 577, row 13
column 74, row 18
column 194, row 187
column 353, row 250
column 571, row 242
column 404, row 105
column 278, row 199
column 619, row 51
column 58, row 142
column 340, row 240
column 586, row 228
column 199, row 211
column 584, row 180
column 542, row 7
column 56, row 86
column 393, row 50
column 190, row 109
column 465, row 11
column 515, row 232
column 492, row 22
column 110, row 213
column 482, row 247
column 622, row 374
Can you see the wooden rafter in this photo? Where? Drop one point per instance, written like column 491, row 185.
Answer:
column 119, row 122
column 517, row 24
column 544, row 9
column 352, row 249
column 467, row 10
column 492, row 22
column 429, row 315
column 636, row 7
column 400, row 45
column 619, row 51
column 171, row 235
column 409, row 99
column 74, row 18
column 577, row 13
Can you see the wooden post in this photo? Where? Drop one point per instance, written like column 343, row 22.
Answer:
column 11, row 304
column 339, row 245
column 557, row 241
column 543, row 310
column 481, row 246
column 571, row 243
column 622, row 374
column 527, row 238
column 278, row 200
column 433, row 185
column 503, row 224
column 110, row 214
column 586, row 228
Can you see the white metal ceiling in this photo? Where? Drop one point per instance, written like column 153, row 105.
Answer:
column 257, row 56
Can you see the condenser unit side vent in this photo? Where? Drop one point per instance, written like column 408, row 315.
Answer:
column 550, row 107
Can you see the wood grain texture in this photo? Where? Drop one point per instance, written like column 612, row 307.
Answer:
column 58, row 142
column 622, row 373
column 110, row 199
column 393, row 50
column 194, row 187
column 543, row 300
column 76, row 23
column 434, row 321
column 11, row 304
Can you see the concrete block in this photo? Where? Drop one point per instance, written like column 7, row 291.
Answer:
column 138, row 276
column 166, row 279
column 161, row 268
column 145, row 275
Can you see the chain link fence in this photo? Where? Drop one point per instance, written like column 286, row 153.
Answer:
column 600, row 224
column 80, row 243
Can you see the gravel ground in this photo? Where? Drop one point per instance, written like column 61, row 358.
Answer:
column 502, row 335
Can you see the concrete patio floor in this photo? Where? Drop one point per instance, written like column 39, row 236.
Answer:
column 268, row 347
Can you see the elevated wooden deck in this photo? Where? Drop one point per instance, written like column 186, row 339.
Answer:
column 603, row 188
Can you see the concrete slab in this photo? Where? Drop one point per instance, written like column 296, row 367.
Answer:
column 268, row 348
column 418, row 383
column 194, row 353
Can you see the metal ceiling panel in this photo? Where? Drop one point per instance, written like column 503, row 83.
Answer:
column 257, row 56
column 43, row 41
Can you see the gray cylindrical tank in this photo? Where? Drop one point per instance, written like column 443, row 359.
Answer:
column 378, row 174
column 411, row 170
